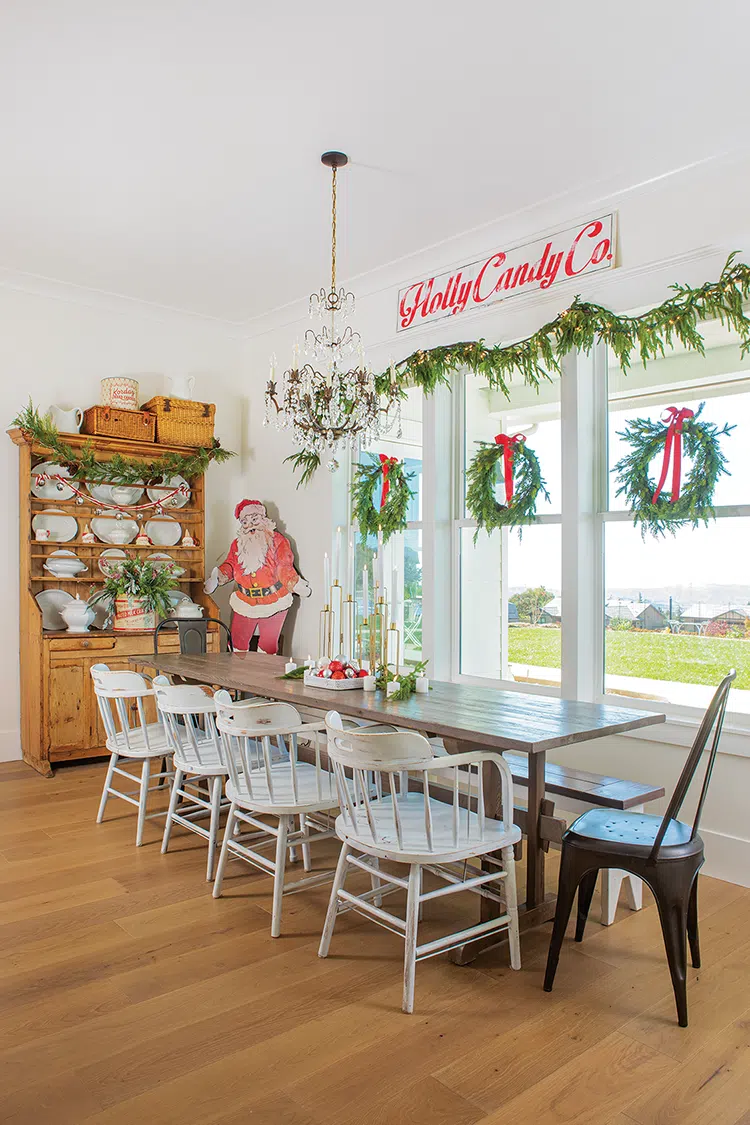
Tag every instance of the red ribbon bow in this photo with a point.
(386, 463)
(674, 417)
(509, 443)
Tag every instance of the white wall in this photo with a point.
(55, 348)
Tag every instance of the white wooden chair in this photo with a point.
(271, 781)
(121, 699)
(189, 715)
(383, 818)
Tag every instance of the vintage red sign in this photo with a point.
(580, 250)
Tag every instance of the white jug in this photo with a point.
(180, 386)
(67, 421)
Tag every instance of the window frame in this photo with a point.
(583, 518)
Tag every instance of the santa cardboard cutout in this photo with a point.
(261, 563)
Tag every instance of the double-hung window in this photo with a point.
(579, 602)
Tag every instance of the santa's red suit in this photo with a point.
(263, 595)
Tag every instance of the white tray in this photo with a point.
(333, 685)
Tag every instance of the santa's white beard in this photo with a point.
(252, 548)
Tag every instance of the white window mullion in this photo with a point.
(438, 577)
(583, 383)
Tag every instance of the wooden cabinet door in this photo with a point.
(68, 705)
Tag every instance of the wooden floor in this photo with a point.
(130, 997)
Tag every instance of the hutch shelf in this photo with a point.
(59, 715)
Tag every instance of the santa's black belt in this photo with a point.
(260, 591)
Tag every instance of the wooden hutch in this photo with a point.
(59, 714)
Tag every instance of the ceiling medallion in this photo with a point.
(332, 399)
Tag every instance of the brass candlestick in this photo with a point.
(393, 631)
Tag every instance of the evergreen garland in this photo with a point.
(481, 477)
(535, 359)
(391, 518)
(84, 466)
(695, 502)
(579, 327)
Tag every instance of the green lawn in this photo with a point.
(655, 656)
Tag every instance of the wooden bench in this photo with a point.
(581, 790)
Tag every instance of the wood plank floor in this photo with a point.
(128, 996)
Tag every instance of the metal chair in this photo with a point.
(665, 853)
(382, 817)
(270, 782)
(188, 711)
(121, 698)
(193, 633)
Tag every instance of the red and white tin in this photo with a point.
(120, 392)
(131, 617)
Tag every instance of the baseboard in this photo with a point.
(10, 746)
(727, 857)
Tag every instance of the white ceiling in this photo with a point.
(168, 150)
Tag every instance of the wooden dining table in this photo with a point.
(465, 717)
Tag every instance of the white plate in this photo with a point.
(126, 493)
(111, 554)
(107, 525)
(156, 494)
(64, 563)
(163, 531)
(103, 612)
(100, 492)
(51, 489)
(162, 558)
(50, 602)
(62, 528)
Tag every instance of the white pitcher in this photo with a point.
(68, 421)
(180, 386)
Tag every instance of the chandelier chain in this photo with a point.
(333, 229)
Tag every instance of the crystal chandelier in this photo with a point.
(331, 398)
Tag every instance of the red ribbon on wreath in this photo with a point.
(386, 464)
(509, 443)
(674, 418)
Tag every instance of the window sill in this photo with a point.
(680, 729)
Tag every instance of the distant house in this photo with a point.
(641, 615)
(552, 613)
(697, 617)
(513, 617)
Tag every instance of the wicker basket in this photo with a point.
(110, 421)
(182, 422)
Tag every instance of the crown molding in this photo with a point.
(52, 289)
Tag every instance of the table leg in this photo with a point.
(535, 854)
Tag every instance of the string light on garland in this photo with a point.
(522, 480)
(688, 502)
(385, 477)
(537, 358)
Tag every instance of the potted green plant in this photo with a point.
(138, 592)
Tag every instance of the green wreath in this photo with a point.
(656, 513)
(83, 465)
(481, 477)
(389, 475)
